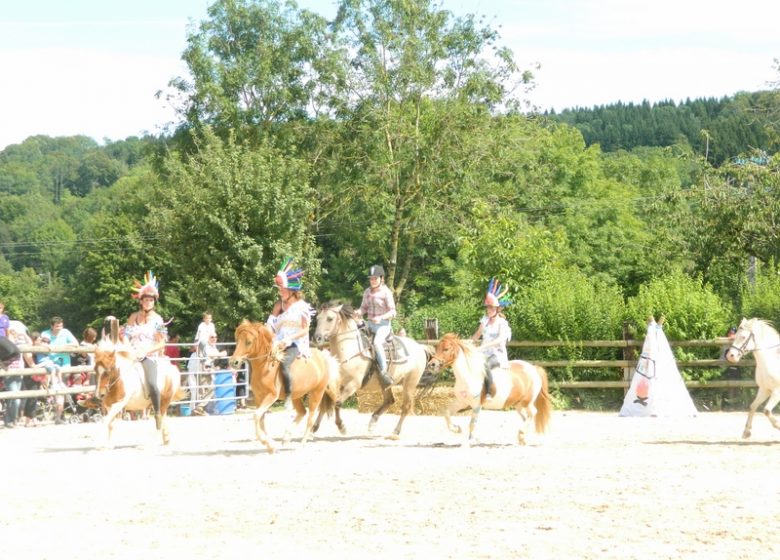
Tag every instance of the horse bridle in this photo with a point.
(741, 349)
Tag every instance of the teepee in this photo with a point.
(657, 388)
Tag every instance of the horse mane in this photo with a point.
(763, 325)
(345, 313)
(121, 348)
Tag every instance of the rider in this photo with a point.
(495, 332)
(378, 303)
(292, 324)
(146, 332)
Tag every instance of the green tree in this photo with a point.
(228, 215)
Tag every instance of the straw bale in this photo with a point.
(427, 402)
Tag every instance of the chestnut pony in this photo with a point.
(120, 381)
(522, 386)
(316, 376)
(337, 327)
(757, 336)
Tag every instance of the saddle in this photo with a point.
(395, 350)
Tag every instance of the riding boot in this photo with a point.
(384, 379)
(287, 383)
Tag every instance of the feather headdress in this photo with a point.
(289, 277)
(150, 286)
(495, 294)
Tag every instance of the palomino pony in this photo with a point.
(316, 376)
(120, 382)
(759, 337)
(336, 325)
(523, 386)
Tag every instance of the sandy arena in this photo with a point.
(596, 486)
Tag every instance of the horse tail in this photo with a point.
(428, 378)
(333, 389)
(327, 405)
(543, 403)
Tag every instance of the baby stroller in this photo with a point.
(74, 408)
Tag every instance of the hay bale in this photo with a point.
(427, 402)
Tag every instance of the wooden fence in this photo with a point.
(628, 365)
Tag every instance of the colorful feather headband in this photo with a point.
(495, 294)
(148, 288)
(289, 277)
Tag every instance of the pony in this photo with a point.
(336, 326)
(120, 382)
(759, 337)
(316, 376)
(523, 386)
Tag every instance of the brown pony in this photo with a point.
(522, 386)
(120, 382)
(316, 376)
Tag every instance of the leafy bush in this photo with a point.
(762, 299)
(692, 311)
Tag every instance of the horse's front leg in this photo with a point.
(772, 403)
(108, 422)
(259, 420)
(761, 396)
(453, 407)
(386, 403)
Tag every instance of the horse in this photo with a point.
(759, 337)
(315, 376)
(337, 327)
(523, 386)
(120, 382)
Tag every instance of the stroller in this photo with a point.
(74, 410)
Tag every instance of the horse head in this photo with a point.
(750, 336)
(445, 353)
(329, 319)
(253, 341)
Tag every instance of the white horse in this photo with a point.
(522, 386)
(759, 337)
(337, 326)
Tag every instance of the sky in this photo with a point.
(93, 67)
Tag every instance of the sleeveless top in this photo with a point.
(289, 323)
(499, 329)
(145, 335)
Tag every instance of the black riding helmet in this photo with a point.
(376, 270)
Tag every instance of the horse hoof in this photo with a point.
(394, 437)
(342, 430)
(746, 434)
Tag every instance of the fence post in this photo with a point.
(627, 355)
(432, 329)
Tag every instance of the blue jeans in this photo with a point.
(380, 331)
(13, 383)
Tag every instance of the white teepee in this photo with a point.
(657, 388)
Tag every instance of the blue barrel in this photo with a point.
(224, 393)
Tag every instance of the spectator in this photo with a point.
(55, 381)
(60, 336)
(32, 383)
(88, 338)
(3, 320)
(17, 333)
(173, 350)
(205, 329)
(208, 352)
